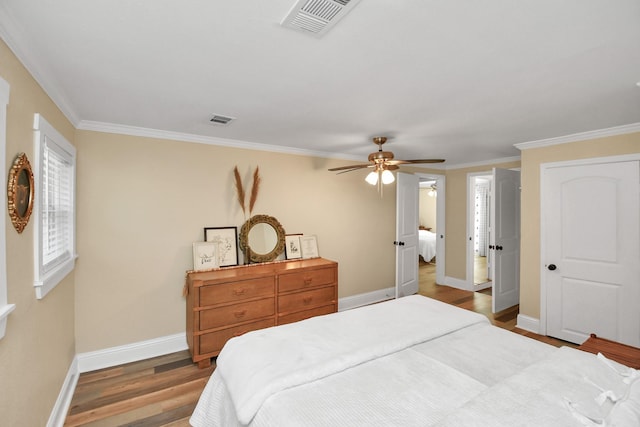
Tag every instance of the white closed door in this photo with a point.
(407, 217)
(505, 238)
(591, 251)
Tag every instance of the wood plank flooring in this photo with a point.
(163, 391)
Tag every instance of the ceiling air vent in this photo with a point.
(221, 120)
(317, 16)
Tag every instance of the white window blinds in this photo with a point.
(57, 206)
(55, 211)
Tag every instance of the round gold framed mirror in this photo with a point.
(264, 236)
(20, 192)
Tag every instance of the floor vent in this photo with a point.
(221, 120)
(316, 17)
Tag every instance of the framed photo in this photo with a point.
(309, 246)
(292, 246)
(205, 255)
(227, 240)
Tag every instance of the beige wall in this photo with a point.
(142, 202)
(39, 346)
(456, 217)
(530, 243)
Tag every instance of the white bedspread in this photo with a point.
(378, 366)
(264, 362)
(426, 244)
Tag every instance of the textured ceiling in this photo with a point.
(454, 79)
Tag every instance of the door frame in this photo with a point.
(471, 193)
(544, 168)
(440, 222)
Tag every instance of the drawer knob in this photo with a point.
(238, 292)
(307, 300)
(308, 281)
(240, 314)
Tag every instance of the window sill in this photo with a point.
(51, 279)
(4, 313)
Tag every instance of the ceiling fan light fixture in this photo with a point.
(387, 177)
(372, 177)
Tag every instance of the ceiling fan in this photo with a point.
(382, 163)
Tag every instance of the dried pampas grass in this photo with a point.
(255, 189)
(239, 189)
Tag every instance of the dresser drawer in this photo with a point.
(214, 341)
(236, 291)
(306, 300)
(306, 279)
(301, 315)
(236, 313)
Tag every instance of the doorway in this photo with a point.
(479, 257)
(431, 189)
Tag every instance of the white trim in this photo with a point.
(484, 163)
(582, 136)
(54, 277)
(210, 140)
(45, 281)
(63, 402)
(16, 39)
(128, 353)
(441, 225)
(5, 308)
(458, 283)
(347, 303)
(470, 253)
(528, 323)
(544, 167)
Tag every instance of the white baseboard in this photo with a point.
(61, 407)
(131, 352)
(527, 323)
(359, 300)
(458, 283)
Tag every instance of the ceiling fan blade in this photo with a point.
(404, 162)
(355, 169)
(351, 167)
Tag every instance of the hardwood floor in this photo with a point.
(479, 302)
(163, 391)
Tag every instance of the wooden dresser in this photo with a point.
(228, 302)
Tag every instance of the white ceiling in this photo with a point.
(454, 79)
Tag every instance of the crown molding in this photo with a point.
(582, 136)
(484, 163)
(210, 140)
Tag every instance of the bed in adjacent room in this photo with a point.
(426, 244)
(411, 362)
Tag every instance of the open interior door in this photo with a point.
(406, 234)
(505, 238)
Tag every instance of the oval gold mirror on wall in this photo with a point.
(264, 236)
(20, 192)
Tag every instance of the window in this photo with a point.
(54, 207)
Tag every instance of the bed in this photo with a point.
(412, 361)
(426, 244)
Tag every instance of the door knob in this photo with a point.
(491, 247)
(498, 248)
(552, 267)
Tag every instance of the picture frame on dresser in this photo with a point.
(292, 247)
(227, 240)
(309, 246)
(205, 256)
